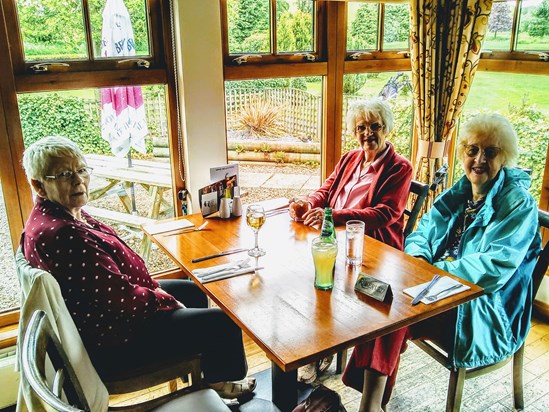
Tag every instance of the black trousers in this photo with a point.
(191, 330)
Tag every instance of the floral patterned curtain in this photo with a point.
(446, 37)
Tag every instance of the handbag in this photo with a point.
(321, 399)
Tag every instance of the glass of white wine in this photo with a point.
(255, 217)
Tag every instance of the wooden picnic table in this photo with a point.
(155, 177)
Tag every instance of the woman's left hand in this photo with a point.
(313, 217)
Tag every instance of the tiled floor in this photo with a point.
(422, 383)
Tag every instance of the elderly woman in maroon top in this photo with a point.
(123, 315)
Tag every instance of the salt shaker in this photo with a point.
(237, 203)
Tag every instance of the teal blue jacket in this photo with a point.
(498, 252)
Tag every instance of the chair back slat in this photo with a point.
(543, 258)
(420, 190)
(40, 343)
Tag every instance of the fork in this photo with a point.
(226, 268)
(198, 229)
(434, 297)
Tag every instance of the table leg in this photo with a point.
(284, 388)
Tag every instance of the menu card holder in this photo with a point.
(374, 288)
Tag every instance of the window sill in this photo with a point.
(8, 336)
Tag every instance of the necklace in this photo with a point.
(82, 219)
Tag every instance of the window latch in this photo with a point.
(359, 55)
(306, 56)
(45, 67)
(140, 63)
(541, 55)
(244, 59)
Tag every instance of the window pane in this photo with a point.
(102, 19)
(524, 100)
(123, 188)
(500, 24)
(52, 30)
(273, 133)
(248, 22)
(362, 26)
(294, 25)
(533, 32)
(9, 285)
(396, 27)
(396, 90)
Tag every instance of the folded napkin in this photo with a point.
(439, 289)
(220, 268)
(229, 273)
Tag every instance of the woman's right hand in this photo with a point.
(313, 217)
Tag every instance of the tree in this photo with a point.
(539, 25)
(284, 36)
(302, 28)
(305, 6)
(501, 18)
(364, 28)
(397, 23)
(252, 18)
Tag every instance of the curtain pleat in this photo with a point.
(445, 45)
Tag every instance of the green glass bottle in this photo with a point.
(328, 227)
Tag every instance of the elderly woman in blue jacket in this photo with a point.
(485, 230)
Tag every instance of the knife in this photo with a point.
(424, 292)
(224, 253)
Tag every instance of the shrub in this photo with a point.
(260, 118)
(52, 114)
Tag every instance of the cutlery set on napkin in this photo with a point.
(227, 270)
(438, 288)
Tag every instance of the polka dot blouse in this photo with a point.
(105, 284)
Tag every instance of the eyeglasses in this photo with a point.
(68, 175)
(374, 127)
(489, 152)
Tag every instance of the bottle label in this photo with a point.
(327, 229)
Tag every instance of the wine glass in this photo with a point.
(255, 217)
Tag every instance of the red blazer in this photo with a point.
(382, 209)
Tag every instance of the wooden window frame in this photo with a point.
(15, 78)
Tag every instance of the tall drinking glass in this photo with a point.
(354, 242)
(255, 218)
(324, 257)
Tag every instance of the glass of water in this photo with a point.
(354, 242)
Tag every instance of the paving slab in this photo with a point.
(284, 181)
(253, 179)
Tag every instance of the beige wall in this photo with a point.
(202, 99)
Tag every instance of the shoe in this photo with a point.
(325, 364)
(307, 374)
(236, 389)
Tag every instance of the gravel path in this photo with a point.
(9, 285)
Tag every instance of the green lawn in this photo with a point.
(493, 91)
(496, 91)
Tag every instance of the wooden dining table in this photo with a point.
(279, 308)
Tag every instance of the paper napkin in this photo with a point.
(444, 283)
(229, 273)
(220, 268)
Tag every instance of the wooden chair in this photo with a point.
(459, 375)
(64, 393)
(418, 194)
(40, 290)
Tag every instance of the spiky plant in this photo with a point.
(260, 118)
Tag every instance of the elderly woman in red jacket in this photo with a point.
(369, 184)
